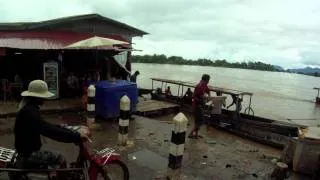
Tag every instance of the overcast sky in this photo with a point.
(280, 32)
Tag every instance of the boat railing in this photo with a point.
(237, 95)
(249, 109)
(318, 89)
(317, 97)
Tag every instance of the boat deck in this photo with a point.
(153, 107)
(232, 92)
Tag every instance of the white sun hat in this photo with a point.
(37, 88)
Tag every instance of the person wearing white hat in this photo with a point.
(29, 126)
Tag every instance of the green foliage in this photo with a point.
(163, 59)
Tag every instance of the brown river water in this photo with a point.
(277, 95)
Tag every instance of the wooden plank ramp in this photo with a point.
(151, 107)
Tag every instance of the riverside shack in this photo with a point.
(35, 50)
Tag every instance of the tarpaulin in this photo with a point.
(121, 59)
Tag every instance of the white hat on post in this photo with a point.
(39, 89)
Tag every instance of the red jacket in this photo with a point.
(198, 95)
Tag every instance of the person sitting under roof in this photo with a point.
(187, 98)
(73, 85)
(168, 92)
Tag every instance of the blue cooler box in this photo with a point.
(108, 95)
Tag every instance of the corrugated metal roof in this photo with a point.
(70, 19)
(45, 40)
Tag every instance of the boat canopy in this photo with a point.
(212, 88)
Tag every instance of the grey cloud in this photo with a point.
(311, 58)
(281, 32)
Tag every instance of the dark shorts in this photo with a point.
(198, 116)
(42, 159)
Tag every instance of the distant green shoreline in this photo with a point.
(201, 65)
(162, 59)
(177, 60)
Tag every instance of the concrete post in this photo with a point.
(178, 138)
(124, 120)
(91, 105)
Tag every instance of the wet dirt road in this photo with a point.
(219, 155)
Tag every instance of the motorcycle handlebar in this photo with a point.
(90, 140)
(77, 129)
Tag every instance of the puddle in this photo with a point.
(148, 159)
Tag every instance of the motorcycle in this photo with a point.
(88, 166)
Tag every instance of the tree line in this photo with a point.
(316, 74)
(163, 59)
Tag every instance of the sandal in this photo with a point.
(192, 137)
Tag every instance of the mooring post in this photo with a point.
(124, 120)
(280, 171)
(178, 138)
(91, 105)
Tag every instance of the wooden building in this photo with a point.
(26, 46)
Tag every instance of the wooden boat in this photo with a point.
(267, 131)
(144, 91)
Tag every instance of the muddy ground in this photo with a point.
(219, 155)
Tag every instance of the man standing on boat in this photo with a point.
(198, 103)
